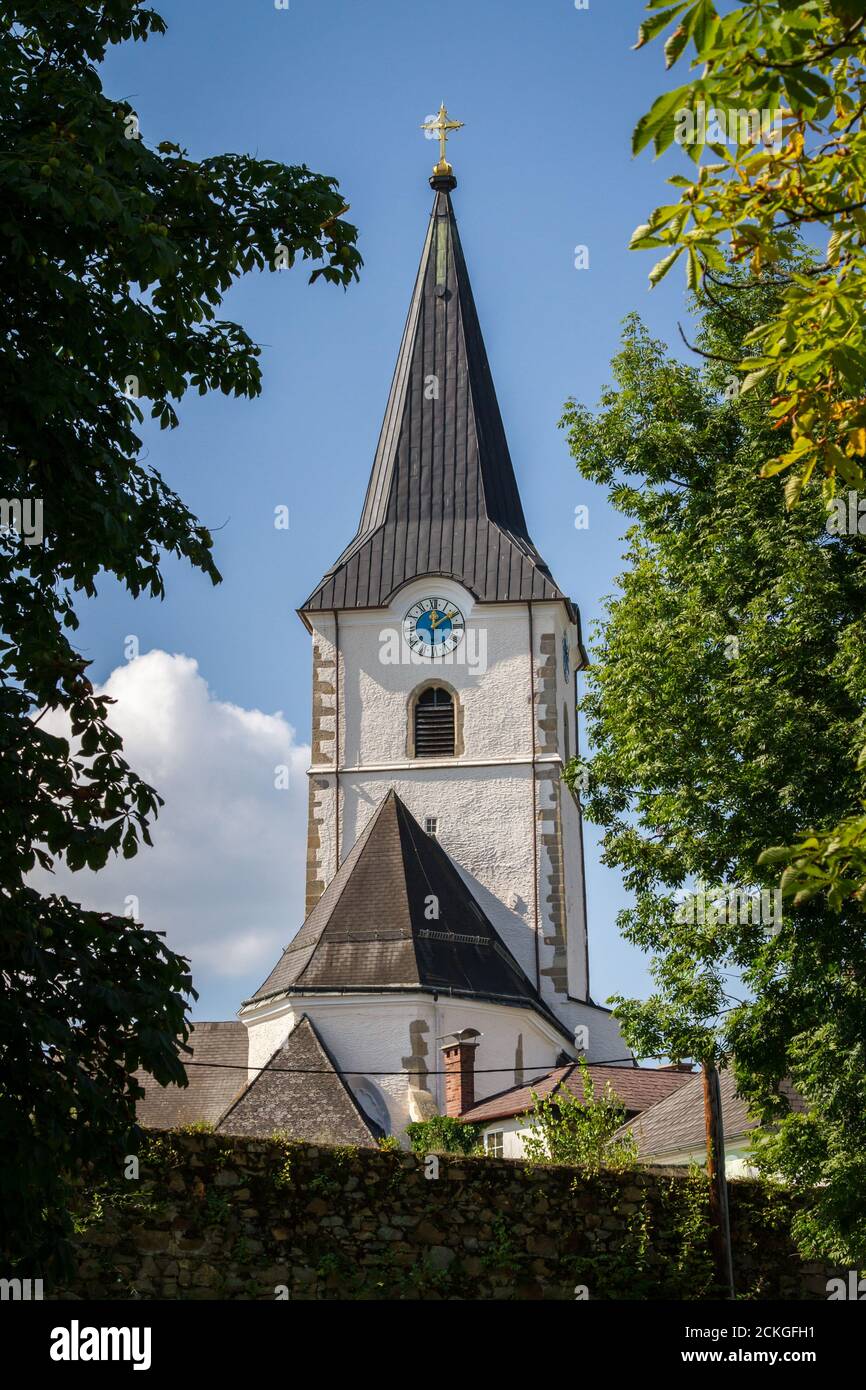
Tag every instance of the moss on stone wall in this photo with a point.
(212, 1216)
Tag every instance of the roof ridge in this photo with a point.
(323, 1046)
(361, 845)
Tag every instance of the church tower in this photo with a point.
(445, 852)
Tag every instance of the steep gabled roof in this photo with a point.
(636, 1087)
(218, 1072)
(300, 1093)
(442, 497)
(397, 914)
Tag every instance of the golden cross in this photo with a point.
(441, 125)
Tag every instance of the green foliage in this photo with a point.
(725, 708)
(666, 1251)
(830, 862)
(286, 1146)
(790, 83)
(443, 1134)
(501, 1252)
(566, 1129)
(389, 1143)
(115, 260)
(218, 1207)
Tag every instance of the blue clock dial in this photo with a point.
(433, 627)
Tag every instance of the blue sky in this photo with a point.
(549, 95)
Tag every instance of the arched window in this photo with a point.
(434, 724)
(372, 1102)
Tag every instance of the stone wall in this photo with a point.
(221, 1217)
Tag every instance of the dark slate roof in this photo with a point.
(368, 931)
(636, 1087)
(300, 1093)
(442, 497)
(211, 1088)
(678, 1122)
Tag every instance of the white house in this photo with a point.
(506, 1117)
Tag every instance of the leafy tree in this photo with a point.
(778, 99)
(725, 706)
(115, 258)
(580, 1132)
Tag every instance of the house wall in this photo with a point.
(513, 1130)
(737, 1160)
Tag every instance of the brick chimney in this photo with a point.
(458, 1055)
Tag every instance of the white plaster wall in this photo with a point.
(371, 1034)
(485, 813)
(363, 1033)
(494, 694)
(737, 1160)
(485, 825)
(604, 1042)
(503, 1030)
(572, 836)
(266, 1031)
(513, 1131)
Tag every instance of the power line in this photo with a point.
(479, 1071)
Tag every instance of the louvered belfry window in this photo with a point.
(434, 724)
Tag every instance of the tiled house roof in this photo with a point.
(636, 1087)
(211, 1088)
(677, 1124)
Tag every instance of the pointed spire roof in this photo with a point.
(373, 928)
(442, 497)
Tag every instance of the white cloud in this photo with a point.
(225, 877)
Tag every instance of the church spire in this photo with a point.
(442, 497)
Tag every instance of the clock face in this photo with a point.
(566, 659)
(433, 627)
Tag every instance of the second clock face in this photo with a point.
(433, 627)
